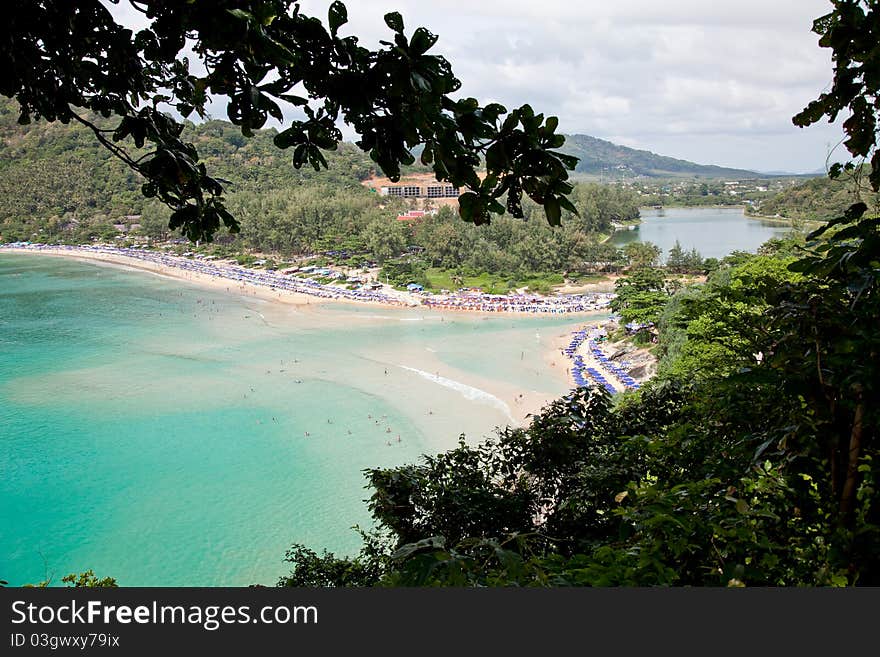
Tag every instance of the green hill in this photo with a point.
(603, 158)
(819, 199)
(58, 183)
(55, 176)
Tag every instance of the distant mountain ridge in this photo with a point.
(599, 157)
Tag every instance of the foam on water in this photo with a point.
(468, 392)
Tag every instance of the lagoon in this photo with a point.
(713, 232)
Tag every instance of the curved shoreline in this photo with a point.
(786, 221)
(297, 291)
(98, 385)
(519, 406)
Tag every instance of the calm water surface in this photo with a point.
(714, 232)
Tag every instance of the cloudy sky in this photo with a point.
(714, 82)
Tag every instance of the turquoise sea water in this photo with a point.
(156, 431)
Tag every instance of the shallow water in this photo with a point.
(164, 434)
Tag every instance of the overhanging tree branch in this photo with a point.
(396, 98)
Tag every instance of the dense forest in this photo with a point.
(59, 184)
(60, 179)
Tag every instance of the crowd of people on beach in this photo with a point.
(609, 368)
(521, 303)
(273, 280)
(263, 278)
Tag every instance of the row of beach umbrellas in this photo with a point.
(271, 279)
(579, 366)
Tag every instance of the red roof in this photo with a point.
(412, 214)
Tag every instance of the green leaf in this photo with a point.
(470, 207)
(241, 14)
(839, 580)
(495, 207)
(419, 82)
(293, 100)
(272, 108)
(316, 158)
(553, 210)
(299, 155)
(290, 137)
(395, 21)
(492, 111)
(422, 41)
(496, 157)
(430, 543)
(569, 161)
(427, 154)
(337, 16)
(568, 205)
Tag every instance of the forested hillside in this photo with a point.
(598, 156)
(59, 184)
(818, 199)
(58, 175)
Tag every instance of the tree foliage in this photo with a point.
(851, 30)
(681, 261)
(86, 579)
(63, 58)
(59, 184)
(642, 254)
(641, 296)
(713, 329)
(819, 199)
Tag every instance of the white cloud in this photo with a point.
(715, 82)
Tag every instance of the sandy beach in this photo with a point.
(232, 287)
(559, 362)
(225, 277)
(521, 402)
